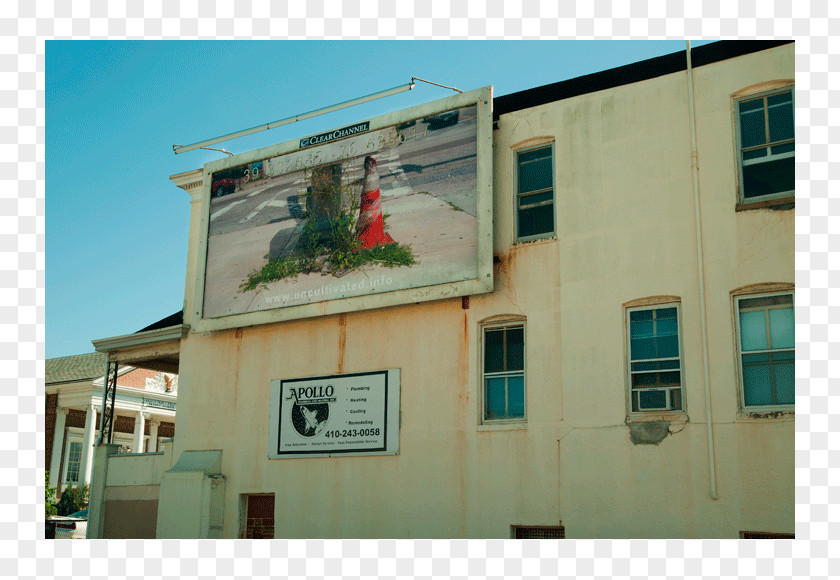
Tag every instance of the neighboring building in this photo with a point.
(623, 379)
(145, 414)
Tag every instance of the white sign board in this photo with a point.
(349, 414)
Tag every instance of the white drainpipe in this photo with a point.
(695, 170)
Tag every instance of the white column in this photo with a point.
(58, 445)
(139, 428)
(153, 434)
(87, 446)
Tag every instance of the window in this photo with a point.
(766, 349)
(73, 462)
(655, 364)
(504, 372)
(766, 146)
(535, 192)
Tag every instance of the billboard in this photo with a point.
(390, 210)
(336, 415)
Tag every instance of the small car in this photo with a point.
(72, 527)
(442, 120)
(223, 186)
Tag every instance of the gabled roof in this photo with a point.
(68, 369)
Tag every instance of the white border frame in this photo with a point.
(629, 380)
(742, 405)
(483, 99)
(483, 420)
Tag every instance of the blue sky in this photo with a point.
(116, 226)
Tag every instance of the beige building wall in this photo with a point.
(625, 223)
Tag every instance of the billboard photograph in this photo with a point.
(355, 211)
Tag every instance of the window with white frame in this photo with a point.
(766, 349)
(535, 192)
(766, 146)
(504, 372)
(72, 461)
(655, 363)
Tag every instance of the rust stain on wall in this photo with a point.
(342, 340)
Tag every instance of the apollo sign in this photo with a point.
(337, 415)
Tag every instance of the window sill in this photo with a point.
(535, 240)
(502, 426)
(777, 414)
(671, 416)
(781, 203)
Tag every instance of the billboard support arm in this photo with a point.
(372, 97)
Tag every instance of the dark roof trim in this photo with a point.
(171, 320)
(630, 73)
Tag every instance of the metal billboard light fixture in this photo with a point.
(372, 97)
(301, 117)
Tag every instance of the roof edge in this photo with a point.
(629, 73)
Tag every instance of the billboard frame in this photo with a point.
(483, 100)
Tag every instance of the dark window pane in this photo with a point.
(763, 301)
(644, 380)
(663, 313)
(527, 200)
(495, 399)
(780, 115)
(515, 349)
(652, 400)
(516, 396)
(493, 351)
(535, 155)
(669, 379)
(536, 220)
(756, 358)
(779, 149)
(641, 315)
(755, 153)
(676, 400)
(775, 176)
(752, 128)
(535, 175)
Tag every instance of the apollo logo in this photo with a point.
(311, 408)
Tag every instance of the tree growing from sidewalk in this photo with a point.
(328, 241)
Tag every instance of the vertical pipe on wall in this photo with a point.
(695, 169)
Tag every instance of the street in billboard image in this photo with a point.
(353, 212)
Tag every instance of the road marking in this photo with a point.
(225, 209)
(273, 202)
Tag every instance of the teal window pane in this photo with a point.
(758, 387)
(667, 346)
(753, 331)
(641, 329)
(781, 328)
(516, 397)
(642, 348)
(641, 315)
(495, 398)
(755, 153)
(666, 326)
(783, 376)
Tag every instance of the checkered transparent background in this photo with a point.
(24, 27)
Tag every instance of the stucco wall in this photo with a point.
(625, 231)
